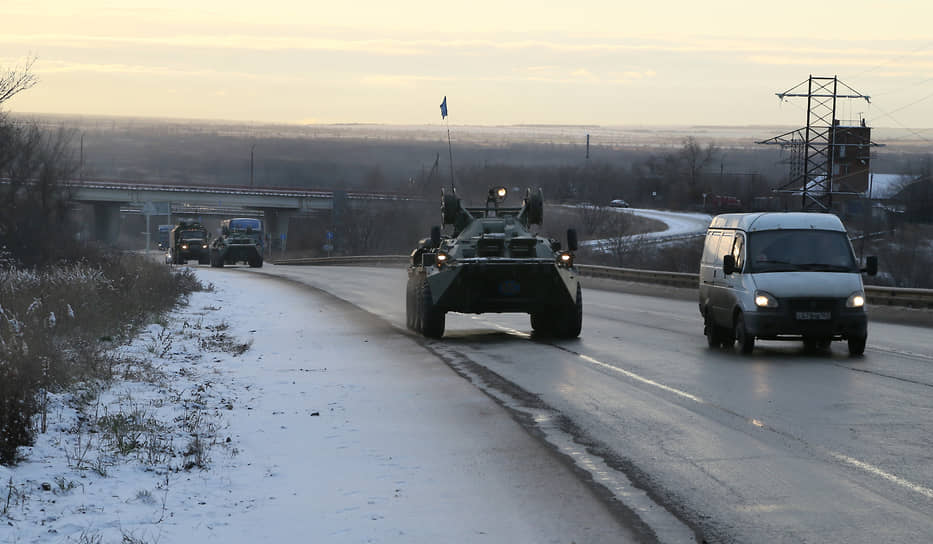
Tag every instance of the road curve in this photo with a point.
(780, 445)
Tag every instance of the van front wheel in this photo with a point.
(857, 345)
(745, 340)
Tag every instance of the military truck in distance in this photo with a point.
(240, 241)
(492, 262)
(186, 241)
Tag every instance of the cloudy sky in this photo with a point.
(499, 62)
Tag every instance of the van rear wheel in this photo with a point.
(717, 336)
(745, 340)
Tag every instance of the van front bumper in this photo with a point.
(781, 324)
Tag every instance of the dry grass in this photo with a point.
(55, 323)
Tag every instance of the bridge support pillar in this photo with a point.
(276, 225)
(106, 223)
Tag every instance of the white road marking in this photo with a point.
(642, 379)
(861, 465)
(925, 491)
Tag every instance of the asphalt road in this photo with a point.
(781, 445)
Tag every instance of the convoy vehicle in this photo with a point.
(618, 203)
(782, 276)
(164, 230)
(240, 241)
(491, 261)
(186, 241)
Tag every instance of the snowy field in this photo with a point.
(263, 411)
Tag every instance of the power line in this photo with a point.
(894, 59)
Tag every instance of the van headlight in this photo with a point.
(856, 300)
(763, 299)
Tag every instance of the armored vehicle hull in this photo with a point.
(239, 242)
(492, 263)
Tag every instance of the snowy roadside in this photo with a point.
(263, 411)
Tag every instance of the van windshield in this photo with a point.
(800, 250)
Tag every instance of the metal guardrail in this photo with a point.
(899, 296)
(361, 260)
(675, 279)
(877, 295)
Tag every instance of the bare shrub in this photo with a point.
(54, 323)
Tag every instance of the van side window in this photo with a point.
(711, 248)
(725, 247)
(738, 250)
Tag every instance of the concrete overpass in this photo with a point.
(276, 205)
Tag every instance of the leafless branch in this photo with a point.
(17, 79)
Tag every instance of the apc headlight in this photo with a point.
(856, 300)
(184, 246)
(763, 299)
(204, 246)
(565, 259)
(441, 259)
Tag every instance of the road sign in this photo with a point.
(330, 235)
(149, 209)
(328, 248)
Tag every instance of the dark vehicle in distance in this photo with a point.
(188, 240)
(164, 231)
(240, 241)
(493, 262)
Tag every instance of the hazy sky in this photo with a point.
(498, 62)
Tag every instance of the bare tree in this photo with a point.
(17, 79)
(34, 202)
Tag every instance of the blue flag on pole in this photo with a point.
(444, 108)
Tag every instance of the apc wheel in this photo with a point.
(745, 340)
(216, 260)
(204, 260)
(571, 323)
(410, 305)
(432, 319)
(542, 323)
(255, 263)
(857, 345)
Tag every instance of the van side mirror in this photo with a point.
(871, 265)
(728, 264)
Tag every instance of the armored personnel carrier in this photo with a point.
(240, 241)
(186, 241)
(492, 262)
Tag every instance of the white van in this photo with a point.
(782, 276)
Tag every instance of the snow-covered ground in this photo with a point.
(680, 226)
(264, 411)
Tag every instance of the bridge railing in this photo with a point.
(877, 295)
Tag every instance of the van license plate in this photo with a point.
(814, 316)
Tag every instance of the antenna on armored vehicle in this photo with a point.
(449, 148)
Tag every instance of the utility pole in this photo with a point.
(251, 149)
(81, 166)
